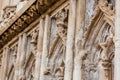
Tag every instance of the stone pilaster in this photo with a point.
(39, 50)
(80, 21)
(2, 65)
(22, 56)
(45, 46)
(117, 42)
(16, 76)
(6, 56)
(70, 42)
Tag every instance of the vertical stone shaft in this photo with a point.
(4, 77)
(70, 42)
(45, 46)
(22, 55)
(117, 42)
(2, 65)
(39, 50)
(18, 58)
(80, 21)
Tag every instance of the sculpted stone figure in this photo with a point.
(56, 56)
(34, 42)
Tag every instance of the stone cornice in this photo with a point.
(23, 19)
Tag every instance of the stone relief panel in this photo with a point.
(97, 46)
(31, 54)
(57, 49)
(96, 53)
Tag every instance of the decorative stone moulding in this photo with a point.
(23, 18)
(8, 13)
(95, 38)
(105, 9)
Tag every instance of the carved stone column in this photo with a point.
(16, 77)
(78, 74)
(1, 56)
(45, 47)
(22, 57)
(70, 42)
(39, 50)
(6, 55)
(2, 64)
(80, 21)
(117, 42)
(1, 4)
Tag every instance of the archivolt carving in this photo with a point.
(30, 59)
(98, 41)
(56, 56)
(61, 21)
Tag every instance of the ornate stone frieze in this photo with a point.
(30, 15)
(8, 13)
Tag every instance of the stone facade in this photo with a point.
(59, 39)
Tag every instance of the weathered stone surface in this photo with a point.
(59, 40)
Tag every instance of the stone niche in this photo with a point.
(97, 62)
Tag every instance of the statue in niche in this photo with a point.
(34, 42)
(56, 56)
